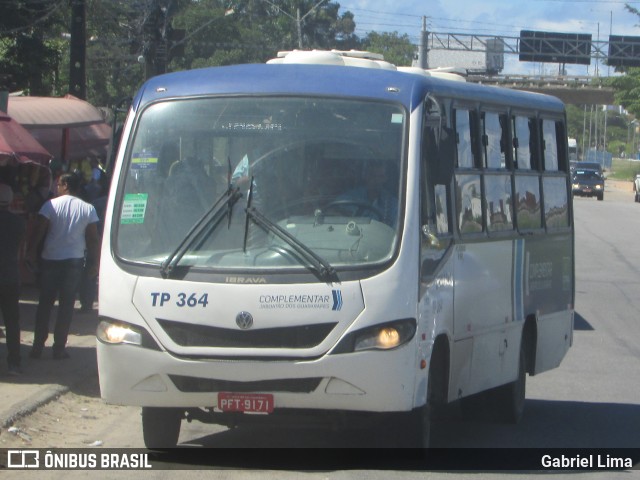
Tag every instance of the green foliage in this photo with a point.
(256, 30)
(587, 125)
(627, 90)
(623, 169)
(130, 40)
(29, 44)
(396, 48)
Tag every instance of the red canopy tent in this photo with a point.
(18, 145)
(70, 128)
(24, 167)
(23, 162)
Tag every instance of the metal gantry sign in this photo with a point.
(549, 47)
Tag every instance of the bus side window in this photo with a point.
(550, 145)
(563, 147)
(536, 143)
(465, 137)
(438, 153)
(438, 171)
(469, 203)
(443, 226)
(556, 202)
(498, 202)
(528, 212)
(522, 138)
(493, 140)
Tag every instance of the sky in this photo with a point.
(503, 18)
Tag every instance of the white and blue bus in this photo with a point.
(324, 239)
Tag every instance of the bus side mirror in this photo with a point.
(432, 240)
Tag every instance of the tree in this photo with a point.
(627, 86)
(30, 44)
(115, 41)
(128, 40)
(627, 90)
(396, 48)
(258, 29)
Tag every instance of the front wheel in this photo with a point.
(161, 427)
(421, 418)
(422, 427)
(508, 400)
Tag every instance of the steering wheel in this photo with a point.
(361, 207)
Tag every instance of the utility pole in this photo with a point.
(154, 48)
(4, 92)
(299, 27)
(78, 50)
(422, 48)
(298, 18)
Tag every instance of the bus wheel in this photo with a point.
(420, 419)
(423, 426)
(509, 399)
(161, 427)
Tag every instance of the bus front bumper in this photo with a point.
(369, 381)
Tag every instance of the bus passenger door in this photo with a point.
(435, 309)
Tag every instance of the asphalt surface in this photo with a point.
(45, 379)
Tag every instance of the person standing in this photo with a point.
(12, 229)
(68, 226)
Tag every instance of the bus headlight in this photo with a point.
(385, 336)
(115, 333)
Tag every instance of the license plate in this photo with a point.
(245, 402)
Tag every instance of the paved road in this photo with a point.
(592, 400)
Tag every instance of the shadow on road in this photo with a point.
(546, 424)
(581, 323)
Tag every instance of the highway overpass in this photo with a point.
(571, 90)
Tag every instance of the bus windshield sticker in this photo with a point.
(397, 118)
(133, 208)
(144, 161)
(260, 127)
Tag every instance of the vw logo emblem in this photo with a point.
(244, 320)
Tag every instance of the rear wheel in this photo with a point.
(161, 427)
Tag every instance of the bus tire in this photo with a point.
(421, 418)
(420, 427)
(161, 427)
(509, 399)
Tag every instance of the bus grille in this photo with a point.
(189, 335)
(294, 385)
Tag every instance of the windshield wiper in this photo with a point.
(202, 228)
(324, 268)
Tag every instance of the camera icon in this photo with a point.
(23, 459)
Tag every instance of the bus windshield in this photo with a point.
(311, 181)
